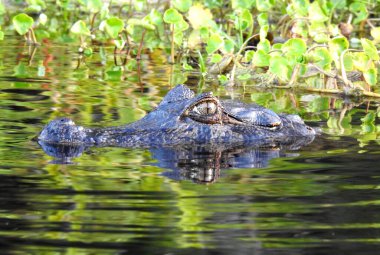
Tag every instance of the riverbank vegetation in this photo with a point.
(327, 46)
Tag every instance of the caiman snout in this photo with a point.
(62, 130)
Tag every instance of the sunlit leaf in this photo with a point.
(42, 18)
(214, 43)
(155, 17)
(369, 118)
(244, 20)
(262, 18)
(216, 58)
(295, 46)
(248, 55)
(199, 16)
(264, 5)
(301, 7)
(172, 16)
(360, 11)
(348, 62)
(336, 46)
(87, 52)
(261, 58)
(80, 28)
(361, 61)
(142, 23)
(178, 37)
(264, 32)
(370, 76)
(228, 46)
(182, 5)
(316, 13)
(1, 35)
(369, 48)
(222, 78)
(244, 77)
(321, 57)
(182, 25)
(375, 32)
(264, 45)
(113, 26)
(22, 23)
(279, 66)
(240, 4)
(94, 5)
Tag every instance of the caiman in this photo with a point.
(183, 118)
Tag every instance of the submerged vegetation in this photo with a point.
(277, 43)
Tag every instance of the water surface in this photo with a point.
(318, 199)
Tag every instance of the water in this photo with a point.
(318, 199)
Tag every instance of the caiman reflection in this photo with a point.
(201, 163)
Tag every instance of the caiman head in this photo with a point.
(184, 118)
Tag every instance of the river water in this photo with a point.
(321, 198)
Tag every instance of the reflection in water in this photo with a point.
(199, 163)
(120, 201)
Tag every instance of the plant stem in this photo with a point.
(172, 45)
(138, 57)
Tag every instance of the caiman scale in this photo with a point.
(184, 118)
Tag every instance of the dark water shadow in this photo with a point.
(199, 163)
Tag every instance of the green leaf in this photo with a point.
(261, 58)
(248, 55)
(155, 17)
(262, 18)
(370, 49)
(178, 37)
(336, 46)
(119, 43)
(263, 32)
(229, 46)
(141, 22)
(216, 58)
(264, 45)
(360, 11)
(348, 62)
(186, 66)
(80, 28)
(375, 32)
(279, 66)
(2, 8)
(113, 26)
(369, 118)
(277, 46)
(22, 23)
(316, 13)
(300, 7)
(222, 78)
(362, 61)
(87, 52)
(214, 43)
(182, 5)
(94, 5)
(294, 46)
(1, 35)
(263, 5)
(245, 20)
(172, 16)
(244, 77)
(370, 76)
(181, 26)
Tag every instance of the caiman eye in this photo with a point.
(205, 108)
(206, 111)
